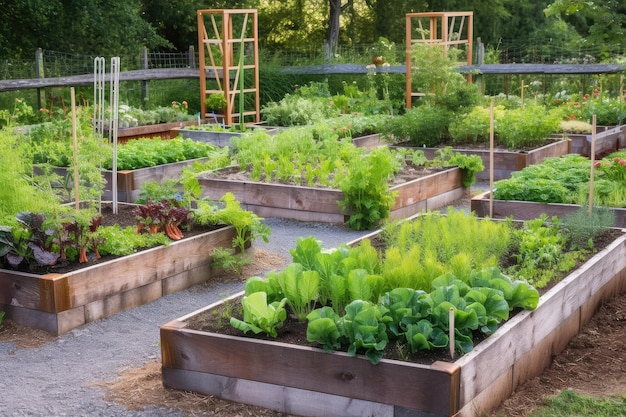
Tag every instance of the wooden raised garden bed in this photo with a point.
(59, 303)
(158, 130)
(430, 192)
(368, 141)
(129, 181)
(217, 138)
(507, 162)
(527, 210)
(608, 139)
(307, 381)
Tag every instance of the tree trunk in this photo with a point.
(333, 25)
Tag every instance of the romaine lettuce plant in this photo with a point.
(260, 316)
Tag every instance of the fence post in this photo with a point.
(192, 57)
(41, 93)
(144, 83)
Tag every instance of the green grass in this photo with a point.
(571, 404)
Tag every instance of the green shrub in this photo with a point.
(422, 126)
(526, 127)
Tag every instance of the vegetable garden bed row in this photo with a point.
(308, 381)
(58, 303)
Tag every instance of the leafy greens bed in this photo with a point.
(362, 299)
(566, 180)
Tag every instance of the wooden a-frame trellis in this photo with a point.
(229, 55)
(450, 29)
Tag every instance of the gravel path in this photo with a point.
(60, 378)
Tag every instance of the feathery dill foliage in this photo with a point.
(18, 192)
(431, 245)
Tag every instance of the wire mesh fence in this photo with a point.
(61, 64)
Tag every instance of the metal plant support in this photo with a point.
(114, 99)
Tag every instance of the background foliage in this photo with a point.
(115, 27)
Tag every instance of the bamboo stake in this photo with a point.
(593, 162)
(451, 332)
(491, 145)
(522, 94)
(75, 145)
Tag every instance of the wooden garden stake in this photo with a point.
(491, 140)
(522, 93)
(451, 332)
(75, 144)
(593, 161)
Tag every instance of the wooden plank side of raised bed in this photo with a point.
(612, 289)
(302, 215)
(423, 188)
(275, 195)
(159, 130)
(159, 173)
(558, 148)
(19, 288)
(92, 284)
(121, 301)
(275, 397)
(55, 323)
(427, 388)
(187, 279)
(369, 141)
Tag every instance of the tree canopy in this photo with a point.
(115, 27)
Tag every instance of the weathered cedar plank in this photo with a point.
(489, 399)
(55, 323)
(368, 141)
(121, 301)
(610, 290)
(275, 397)
(438, 201)
(422, 189)
(186, 279)
(560, 148)
(132, 271)
(275, 195)
(70, 319)
(159, 129)
(418, 386)
(271, 200)
(302, 215)
(54, 293)
(22, 289)
(407, 211)
(535, 361)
